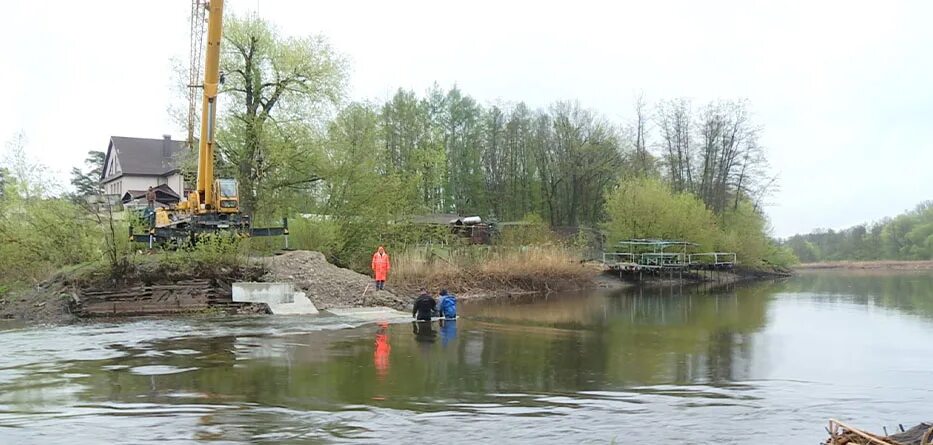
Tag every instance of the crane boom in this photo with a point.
(214, 205)
(205, 186)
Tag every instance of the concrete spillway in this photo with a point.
(282, 298)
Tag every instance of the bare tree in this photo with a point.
(674, 121)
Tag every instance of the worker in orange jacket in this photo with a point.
(381, 267)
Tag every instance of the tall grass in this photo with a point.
(476, 268)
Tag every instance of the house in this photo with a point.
(132, 165)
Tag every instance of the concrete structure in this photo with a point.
(135, 164)
(282, 298)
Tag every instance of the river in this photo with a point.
(759, 363)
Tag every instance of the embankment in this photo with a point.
(154, 285)
(867, 265)
(493, 273)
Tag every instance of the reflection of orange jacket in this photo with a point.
(381, 265)
(381, 354)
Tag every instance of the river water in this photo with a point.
(761, 363)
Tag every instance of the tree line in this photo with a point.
(502, 160)
(908, 236)
(356, 169)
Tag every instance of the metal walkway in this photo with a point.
(664, 256)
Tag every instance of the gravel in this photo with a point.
(327, 285)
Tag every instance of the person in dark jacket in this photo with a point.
(424, 306)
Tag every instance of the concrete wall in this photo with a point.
(264, 292)
(281, 298)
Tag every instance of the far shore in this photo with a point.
(868, 265)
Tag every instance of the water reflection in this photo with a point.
(907, 291)
(448, 330)
(381, 352)
(682, 356)
(424, 333)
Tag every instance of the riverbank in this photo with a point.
(174, 284)
(165, 285)
(867, 265)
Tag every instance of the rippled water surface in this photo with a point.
(762, 363)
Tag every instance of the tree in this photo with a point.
(411, 147)
(647, 208)
(357, 196)
(642, 163)
(4, 174)
(908, 236)
(278, 89)
(674, 120)
(579, 158)
(87, 183)
(38, 231)
(523, 183)
(462, 132)
(729, 153)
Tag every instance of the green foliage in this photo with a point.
(908, 236)
(310, 234)
(39, 233)
(529, 231)
(278, 92)
(502, 161)
(87, 183)
(352, 176)
(211, 251)
(648, 208)
(359, 204)
(743, 231)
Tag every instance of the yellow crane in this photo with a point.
(214, 205)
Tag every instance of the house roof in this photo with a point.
(143, 156)
(164, 194)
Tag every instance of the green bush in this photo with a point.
(531, 230)
(647, 208)
(209, 252)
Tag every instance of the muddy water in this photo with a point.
(766, 363)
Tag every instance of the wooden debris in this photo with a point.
(842, 434)
(155, 299)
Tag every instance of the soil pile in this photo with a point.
(327, 285)
(49, 302)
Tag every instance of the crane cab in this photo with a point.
(227, 196)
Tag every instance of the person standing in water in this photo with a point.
(448, 305)
(424, 306)
(381, 267)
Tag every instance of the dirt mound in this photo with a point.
(327, 285)
(49, 303)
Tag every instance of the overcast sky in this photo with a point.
(843, 90)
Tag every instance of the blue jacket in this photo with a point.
(448, 306)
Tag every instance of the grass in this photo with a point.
(479, 268)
